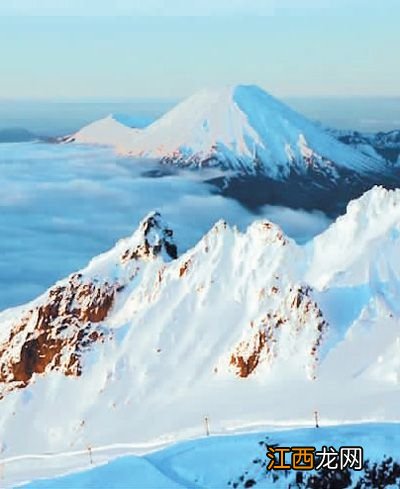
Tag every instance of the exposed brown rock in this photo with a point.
(160, 274)
(52, 335)
(184, 268)
(261, 345)
(246, 364)
(142, 251)
(277, 235)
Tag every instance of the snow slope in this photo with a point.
(241, 128)
(369, 233)
(221, 461)
(143, 343)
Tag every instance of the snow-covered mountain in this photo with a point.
(143, 343)
(239, 128)
(108, 131)
(245, 129)
(16, 135)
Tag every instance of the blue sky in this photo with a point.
(157, 48)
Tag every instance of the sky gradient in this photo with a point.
(171, 49)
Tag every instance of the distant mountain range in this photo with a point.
(16, 135)
(381, 144)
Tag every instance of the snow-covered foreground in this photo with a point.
(144, 342)
(212, 462)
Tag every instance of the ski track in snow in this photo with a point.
(186, 464)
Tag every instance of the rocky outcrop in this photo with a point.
(157, 238)
(297, 311)
(53, 334)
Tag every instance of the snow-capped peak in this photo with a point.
(152, 238)
(108, 131)
(245, 129)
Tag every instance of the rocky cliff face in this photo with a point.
(54, 334)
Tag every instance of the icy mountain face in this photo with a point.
(135, 122)
(242, 128)
(270, 340)
(53, 334)
(145, 334)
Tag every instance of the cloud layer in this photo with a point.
(60, 205)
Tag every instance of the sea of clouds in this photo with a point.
(60, 205)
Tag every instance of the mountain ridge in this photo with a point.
(248, 315)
